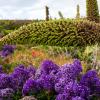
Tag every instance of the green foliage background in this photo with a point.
(7, 26)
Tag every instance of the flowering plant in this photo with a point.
(7, 50)
(50, 82)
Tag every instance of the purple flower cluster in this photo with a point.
(91, 80)
(31, 71)
(48, 66)
(51, 78)
(68, 86)
(44, 78)
(62, 80)
(77, 98)
(70, 71)
(20, 75)
(5, 86)
(7, 50)
(7, 92)
(5, 81)
(66, 74)
(30, 87)
(14, 82)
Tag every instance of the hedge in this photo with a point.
(66, 32)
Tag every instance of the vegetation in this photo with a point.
(49, 81)
(7, 26)
(89, 56)
(92, 10)
(56, 33)
(78, 12)
(61, 15)
(51, 59)
(47, 13)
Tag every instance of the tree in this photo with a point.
(61, 15)
(92, 10)
(47, 13)
(78, 12)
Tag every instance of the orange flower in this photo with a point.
(37, 53)
(34, 54)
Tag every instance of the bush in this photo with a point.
(92, 10)
(56, 33)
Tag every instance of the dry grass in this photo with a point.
(35, 56)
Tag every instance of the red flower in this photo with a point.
(33, 53)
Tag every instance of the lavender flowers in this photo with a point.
(51, 82)
(7, 50)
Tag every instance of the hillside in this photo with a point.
(7, 26)
(67, 32)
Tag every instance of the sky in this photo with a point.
(35, 9)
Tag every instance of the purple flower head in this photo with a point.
(83, 91)
(63, 96)
(20, 66)
(70, 71)
(19, 77)
(47, 66)
(77, 98)
(65, 71)
(7, 92)
(5, 53)
(47, 82)
(96, 86)
(7, 50)
(54, 76)
(71, 88)
(1, 70)
(77, 66)
(59, 86)
(31, 71)
(90, 79)
(30, 87)
(5, 81)
(74, 89)
(38, 73)
(66, 74)
(91, 73)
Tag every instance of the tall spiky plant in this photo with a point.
(60, 15)
(78, 12)
(92, 10)
(47, 13)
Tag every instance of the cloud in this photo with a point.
(17, 3)
(33, 9)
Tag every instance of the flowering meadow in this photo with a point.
(51, 58)
(49, 81)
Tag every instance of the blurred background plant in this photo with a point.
(27, 55)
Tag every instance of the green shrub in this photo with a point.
(5, 32)
(92, 10)
(56, 33)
